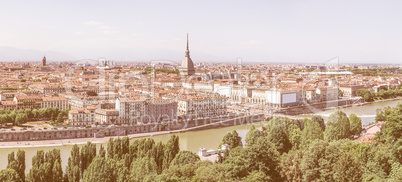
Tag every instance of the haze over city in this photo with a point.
(257, 31)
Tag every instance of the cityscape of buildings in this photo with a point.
(111, 93)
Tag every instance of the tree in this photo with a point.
(362, 92)
(368, 97)
(279, 137)
(295, 138)
(21, 118)
(171, 149)
(232, 139)
(312, 131)
(396, 172)
(347, 169)
(99, 170)
(102, 152)
(110, 148)
(73, 165)
(340, 93)
(60, 118)
(318, 119)
(185, 157)
(142, 167)
(252, 135)
(318, 160)
(355, 124)
(210, 172)
(88, 153)
(43, 165)
(262, 156)
(57, 171)
(290, 166)
(392, 129)
(158, 154)
(397, 150)
(21, 164)
(338, 126)
(9, 175)
(257, 176)
(17, 164)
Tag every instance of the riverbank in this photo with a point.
(350, 106)
(67, 142)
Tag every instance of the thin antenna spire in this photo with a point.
(187, 50)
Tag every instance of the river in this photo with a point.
(366, 113)
(194, 140)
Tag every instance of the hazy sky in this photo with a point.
(258, 31)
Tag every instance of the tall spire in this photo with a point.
(187, 50)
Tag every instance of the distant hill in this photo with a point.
(11, 54)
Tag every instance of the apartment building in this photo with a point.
(28, 102)
(60, 102)
(107, 116)
(82, 116)
(160, 110)
(131, 109)
(197, 105)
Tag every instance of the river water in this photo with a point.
(194, 140)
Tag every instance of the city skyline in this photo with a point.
(279, 32)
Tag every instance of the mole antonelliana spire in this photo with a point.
(187, 66)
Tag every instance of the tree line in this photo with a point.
(282, 150)
(21, 116)
(369, 96)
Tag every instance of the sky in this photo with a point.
(299, 31)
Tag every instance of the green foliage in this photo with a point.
(310, 159)
(392, 129)
(46, 166)
(21, 119)
(397, 150)
(318, 161)
(17, 164)
(9, 175)
(338, 126)
(312, 131)
(185, 157)
(366, 94)
(88, 153)
(347, 169)
(396, 172)
(340, 93)
(256, 176)
(13, 88)
(171, 149)
(158, 154)
(142, 167)
(290, 166)
(210, 172)
(279, 137)
(355, 124)
(73, 167)
(319, 120)
(232, 139)
(252, 135)
(99, 170)
(22, 116)
(295, 138)
(376, 72)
